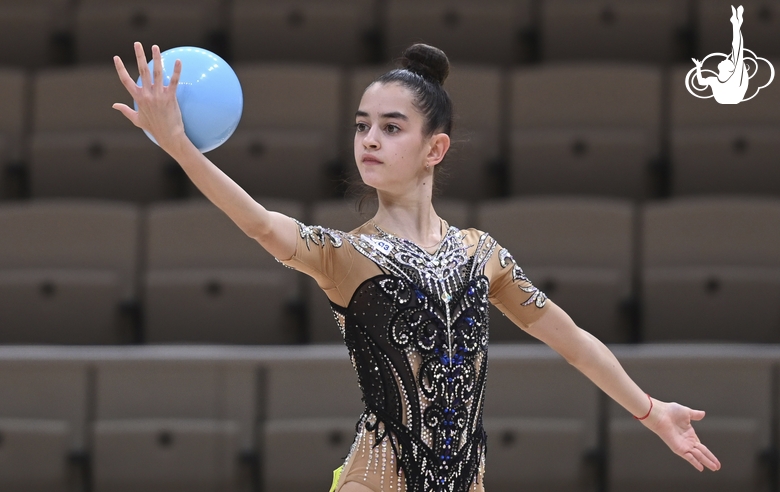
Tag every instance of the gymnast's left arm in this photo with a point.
(670, 421)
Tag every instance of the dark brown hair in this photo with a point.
(423, 71)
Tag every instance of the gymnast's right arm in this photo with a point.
(159, 114)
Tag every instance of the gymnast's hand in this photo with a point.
(672, 422)
(158, 110)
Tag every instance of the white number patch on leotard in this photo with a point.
(383, 246)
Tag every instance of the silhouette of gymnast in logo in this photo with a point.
(731, 83)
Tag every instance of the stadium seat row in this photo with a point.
(95, 272)
(231, 419)
(599, 128)
(356, 31)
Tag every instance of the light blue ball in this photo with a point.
(209, 95)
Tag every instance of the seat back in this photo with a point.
(72, 235)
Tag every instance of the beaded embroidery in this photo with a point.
(537, 296)
(318, 234)
(417, 335)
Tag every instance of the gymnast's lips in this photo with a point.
(370, 159)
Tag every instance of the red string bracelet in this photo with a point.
(648, 412)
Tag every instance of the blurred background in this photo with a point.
(147, 344)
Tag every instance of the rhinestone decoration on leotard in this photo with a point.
(417, 335)
(537, 296)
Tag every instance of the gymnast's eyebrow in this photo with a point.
(394, 114)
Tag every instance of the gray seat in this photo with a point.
(714, 31)
(629, 30)
(577, 250)
(571, 132)
(43, 416)
(541, 418)
(724, 148)
(14, 91)
(30, 26)
(66, 267)
(477, 95)
(104, 28)
(208, 282)
(711, 269)
(14, 87)
(173, 425)
(735, 392)
(279, 149)
(333, 31)
(467, 30)
(313, 424)
(81, 147)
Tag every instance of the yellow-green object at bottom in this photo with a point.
(336, 475)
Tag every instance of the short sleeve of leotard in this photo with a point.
(323, 254)
(511, 291)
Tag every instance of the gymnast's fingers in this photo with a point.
(143, 68)
(174, 83)
(129, 113)
(158, 84)
(705, 456)
(124, 77)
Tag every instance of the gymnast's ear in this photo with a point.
(439, 145)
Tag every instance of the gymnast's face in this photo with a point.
(391, 150)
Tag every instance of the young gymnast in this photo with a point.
(410, 293)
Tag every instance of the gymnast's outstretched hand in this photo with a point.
(158, 109)
(672, 422)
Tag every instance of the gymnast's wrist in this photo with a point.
(644, 416)
(652, 415)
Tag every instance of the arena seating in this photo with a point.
(44, 408)
(147, 343)
(467, 30)
(208, 282)
(67, 271)
(32, 28)
(13, 90)
(82, 147)
(584, 129)
(637, 30)
(104, 28)
(711, 270)
(165, 425)
(542, 420)
(331, 31)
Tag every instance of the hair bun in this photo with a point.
(429, 62)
